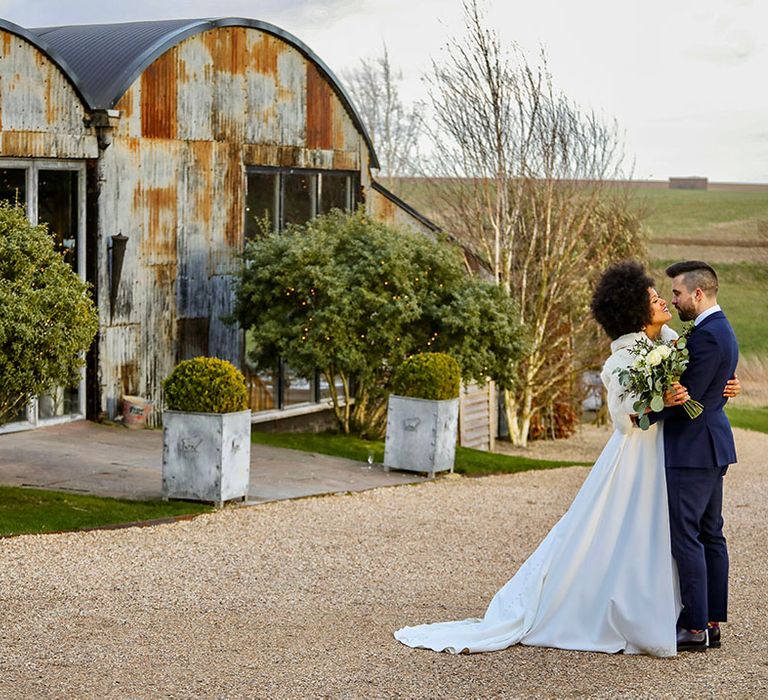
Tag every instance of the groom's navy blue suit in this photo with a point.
(697, 453)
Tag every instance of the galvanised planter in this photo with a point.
(421, 434)
(206, 456)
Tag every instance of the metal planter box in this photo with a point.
(206, 456)
(421, 434)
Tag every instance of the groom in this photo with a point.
(697, 453)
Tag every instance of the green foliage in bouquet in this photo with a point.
(428, 375)
(47, 318)
(656, 367)
(206, 385)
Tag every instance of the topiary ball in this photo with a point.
(428, 375)
(206, 385)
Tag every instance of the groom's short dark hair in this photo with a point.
(695, 274)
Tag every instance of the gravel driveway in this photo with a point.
(299, 599)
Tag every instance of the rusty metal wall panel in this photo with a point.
(319, 111)
(275, 92)
(195, 229)
(192, 338)
(174, 182)
(122, 377)
(292, 157)
(155, 200)
(384, 209)
(158, 98)
(41, 115)
(225, 338)
(195, 90)
(36, 144)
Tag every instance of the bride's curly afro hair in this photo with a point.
(620, 303)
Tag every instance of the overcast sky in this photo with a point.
(686, 79)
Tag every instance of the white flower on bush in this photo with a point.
(665, 351)
(654, 357)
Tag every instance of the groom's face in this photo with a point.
(684, 301)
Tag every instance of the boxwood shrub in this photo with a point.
(206, 385)
(428, 375)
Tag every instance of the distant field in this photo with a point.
(710, 213)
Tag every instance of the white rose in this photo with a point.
(637, 364)
(665, 351)
(654, 357)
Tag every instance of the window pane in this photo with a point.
(57, 207)
(296, 389)
(334, 192)
(13, 185)
(299, 198)
(262, 386)
(19, 415)
(60, 402)
(260, 203)
(325, 389)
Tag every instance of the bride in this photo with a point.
(603, 579)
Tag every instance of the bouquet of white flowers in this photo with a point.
(656, 367)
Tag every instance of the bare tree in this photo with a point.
(394, 128)
(521, 176)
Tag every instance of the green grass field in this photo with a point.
(468, 462)
(748, 418)
(673, 213)
(24, 510)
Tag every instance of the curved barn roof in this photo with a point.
(103, 60)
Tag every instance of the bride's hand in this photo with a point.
(676, 395)
(732, 387)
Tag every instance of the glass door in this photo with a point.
(53, 193)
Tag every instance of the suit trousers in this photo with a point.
(698, 546)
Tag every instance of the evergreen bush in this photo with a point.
(428, 375)
(206, 385)
(47, 318)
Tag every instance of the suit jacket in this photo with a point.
(706, 441)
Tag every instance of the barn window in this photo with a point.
(294, 196)
(278, 197)
(53, 193)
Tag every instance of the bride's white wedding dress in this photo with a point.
(603, 579)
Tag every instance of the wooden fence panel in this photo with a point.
(477, 416)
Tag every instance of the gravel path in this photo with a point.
(299, 599)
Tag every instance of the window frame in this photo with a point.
(33, 166)
(278, 221)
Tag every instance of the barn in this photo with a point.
(153, 150)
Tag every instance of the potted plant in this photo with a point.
(422, 414)
(206, 432)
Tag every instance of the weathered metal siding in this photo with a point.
(384, 209)
(41, 115)
(173, 181)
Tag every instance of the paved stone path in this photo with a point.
(87, 457)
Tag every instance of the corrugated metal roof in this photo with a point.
(103, 60)
(107, 58)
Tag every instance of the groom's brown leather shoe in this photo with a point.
(691, 641)
(713, 633)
